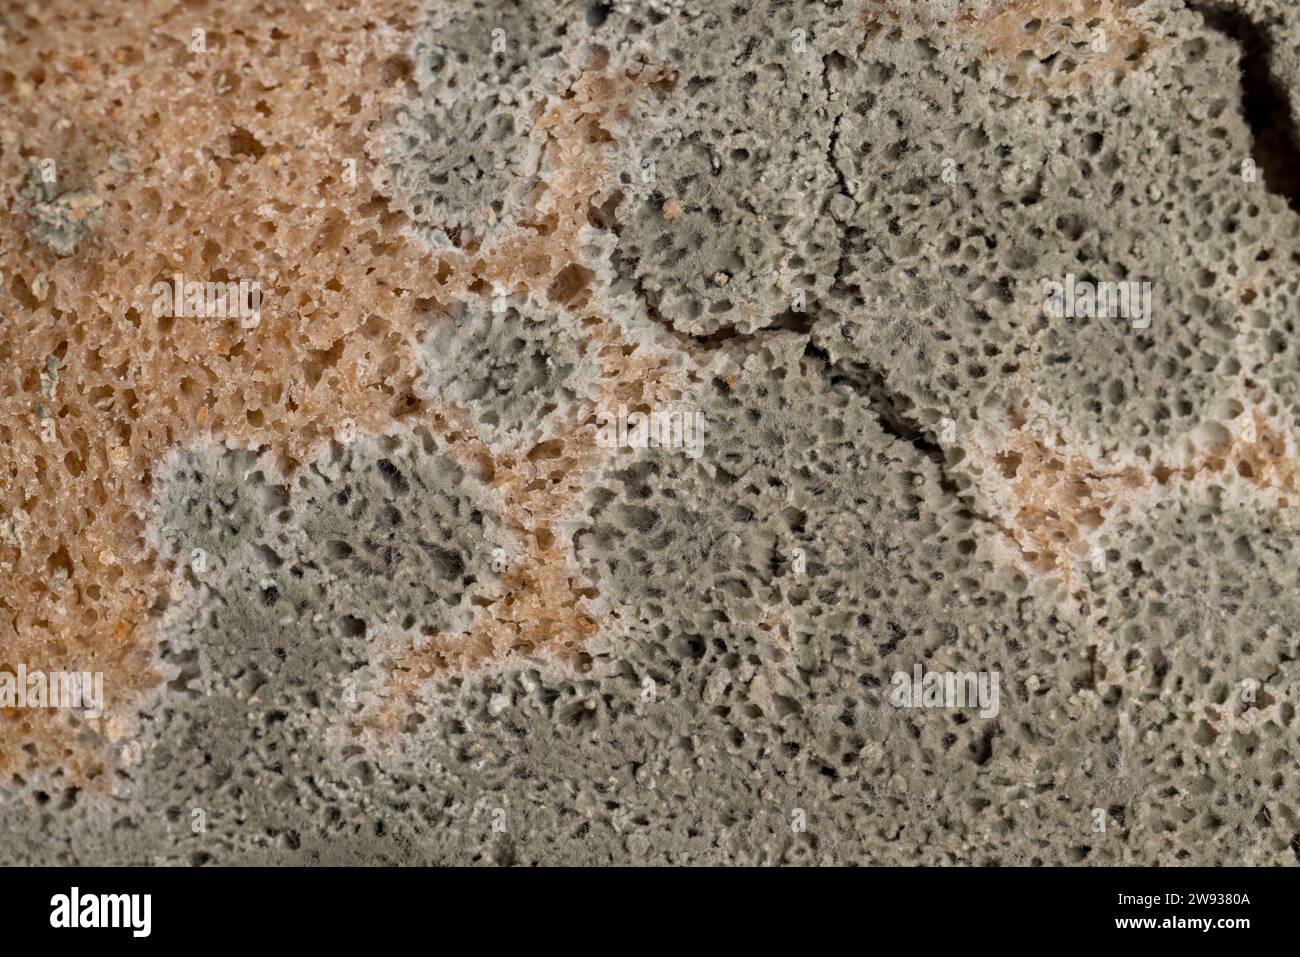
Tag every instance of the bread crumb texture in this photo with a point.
(340, 548)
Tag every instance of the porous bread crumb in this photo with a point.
(1038, 47)
(225, 164)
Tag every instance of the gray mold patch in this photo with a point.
(384, 533)
(726, 221)
(967, 205)
(516, 367)
(1195, 654)
(283, 590)
(738, 709)
(763, 596)
(461, 151)
(60, 218)
(734, 712)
